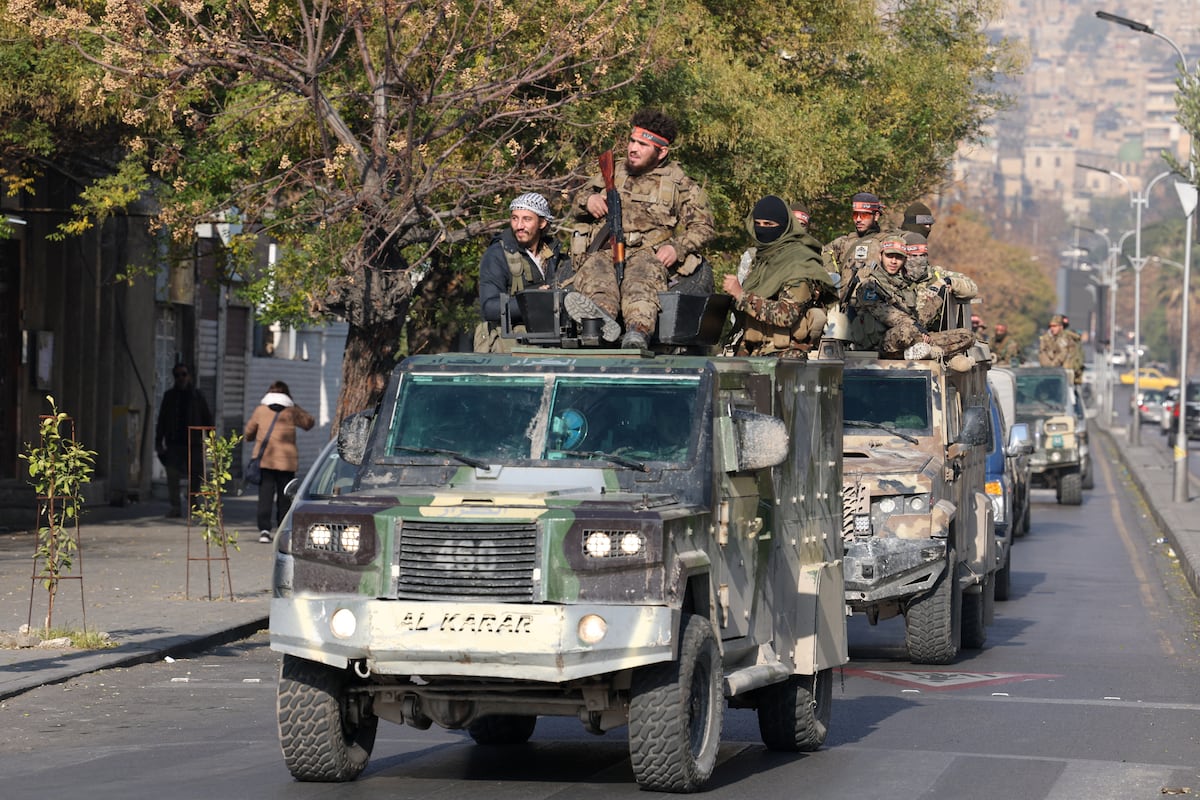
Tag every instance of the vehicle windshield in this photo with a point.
(1041, 393)
(891, 400)
(621, 420)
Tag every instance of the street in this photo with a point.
(1088, 686)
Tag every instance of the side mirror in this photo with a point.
(1020, 443)
(762, 440)
(974, 427)
(352, 437)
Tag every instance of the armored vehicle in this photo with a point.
(918, 527)
(615, 536)
(1046, 401)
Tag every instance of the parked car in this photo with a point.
(1007, 459)
(1148, 405)
(1150, 378)
(1003, 384)
(1170, 421)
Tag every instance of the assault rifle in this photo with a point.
(615, 228)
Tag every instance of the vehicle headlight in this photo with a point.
(887, 505)
(608, 544)
(320, 536)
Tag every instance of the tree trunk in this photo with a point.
(369, 359)
(433, 327)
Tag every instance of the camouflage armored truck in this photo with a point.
(918, 527)
(614, 536)
(1046, 402)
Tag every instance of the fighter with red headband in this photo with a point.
(667, 221)
(846, 255)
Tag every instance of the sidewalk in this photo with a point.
(139, 586)
(136, 569)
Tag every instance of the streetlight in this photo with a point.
(1188, 198)
(1139, 201)
(1114, 250)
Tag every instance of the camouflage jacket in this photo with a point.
(931, 291)
(890, 299)
(661, 206)
(1058, 351)
(846, 256)
(1006, 352)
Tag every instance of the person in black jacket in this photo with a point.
(182, 407)
(524, 256)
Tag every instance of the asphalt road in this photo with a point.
(1088, 687)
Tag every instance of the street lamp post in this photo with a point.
(1139, 200)
(1181, 442)
(1110, 378)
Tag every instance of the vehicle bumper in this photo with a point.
(492, 640)
(888, 568)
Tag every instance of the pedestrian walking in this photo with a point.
(182, 407)
(273, 427)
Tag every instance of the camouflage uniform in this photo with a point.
(848, 256)
(895, 313)
(782, 308)
(658, 207)
(1006, 352)
(1061, 350)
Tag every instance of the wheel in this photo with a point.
(931, 622)
(793, 716)
(1003, 578)
(1088, 481)
(326, 733)
(675, 711)
(1070, 489)
(502, 729)
(1025, 517)
(974, 626)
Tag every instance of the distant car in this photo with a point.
(1150, 378)
(1170, 420)
(1119, 358)
(1148, 405)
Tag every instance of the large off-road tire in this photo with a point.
(974, 625)
(1070, 489)
(322, 731)
(932, 621)
(675, 711)
(1025, 518)
(793, 716)
(502, 729)
(1003, 577)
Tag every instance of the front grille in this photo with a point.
(453, 561)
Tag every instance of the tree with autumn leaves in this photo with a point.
(379, 142)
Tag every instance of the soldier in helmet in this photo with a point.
(667, 221)
(847, 255)
(780, 306)
(1057, 349)
(888, 318)
(522, 256)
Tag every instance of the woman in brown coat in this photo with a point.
(281, 459)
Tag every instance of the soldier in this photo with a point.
(1005, 351)
(523, 256)
(1057, 349)
(846, 255)
(918, 219)
(780, 307)
(933, 284)
(667, 220)
(1076, 364)
(979, 329)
